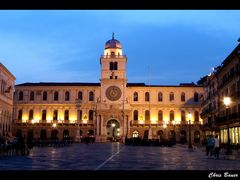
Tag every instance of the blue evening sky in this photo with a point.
(164, 47)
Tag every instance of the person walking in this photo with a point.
(216, 147)
(210, 145)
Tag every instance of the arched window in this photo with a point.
(160, 97)
(171, 115)
(90, 115)
(44, 98)
(196, 116)
(30, 117)
(135, 115)
(111, 66)
(32, 96)
(183, 116)
(44, 114)
(135, 134)
(55, 96)
(195, 97)
(147, 96)
(67, 96)
(90, 132)
(112, 54)
(171, 96)
(115, 66)
(183, 97)
(20, 96)
(135, 96)
(196, 137)
(66, 115)
(147, 115)
(91, 96)
(20, 114)
(80, 95)
(55, 114)
(65, 134)
(160, 115)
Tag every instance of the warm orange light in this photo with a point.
(227, 101)
(54, 125)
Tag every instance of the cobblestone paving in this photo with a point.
(115, 156)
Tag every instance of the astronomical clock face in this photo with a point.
(113, 93)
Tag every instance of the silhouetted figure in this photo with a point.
(216, 147)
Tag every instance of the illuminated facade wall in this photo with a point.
(6, 100)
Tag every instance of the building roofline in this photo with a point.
(98, 84)
(7, 71)
(59, 84)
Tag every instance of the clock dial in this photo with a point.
(113, 93)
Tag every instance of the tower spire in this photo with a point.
(113, 35)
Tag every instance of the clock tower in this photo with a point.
(113, 73)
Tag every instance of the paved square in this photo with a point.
(116, 156)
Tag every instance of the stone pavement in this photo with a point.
(117, 156)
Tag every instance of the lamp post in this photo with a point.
(189, 130)
(113, 126)
(174, 135)
(227, 102)
(78, 136)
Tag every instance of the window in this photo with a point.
(112, 54)
(135, 134)
(147, 96)
(171, 115)
(183, 97)
(66, 115)
(160, 115)
(116, 77)
(147, 115)
(20, 96)
(91, 96)
(31, 96)
(67, 96)
(55, 96)
(20, 115)
(171, 96)
(111, 66)
(115, 66)
(80, 95)
(55, 114)
(90, 115)
(160, 97)
(195, 97)
(111, 77)
(135, 96)
(196, 116)
(183, 116)
(30, 117)
(135, 115)
(44, 95)
(44, 114)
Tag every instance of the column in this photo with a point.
(98, 126)
(101, 125)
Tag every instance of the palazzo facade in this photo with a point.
(7, 81)
(110, 109)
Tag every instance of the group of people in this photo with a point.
(212, 146)
(10, 145)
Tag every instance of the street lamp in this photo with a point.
(189, 130)
(113, 126)
(227, 102)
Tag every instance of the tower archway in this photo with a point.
(113, 130)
